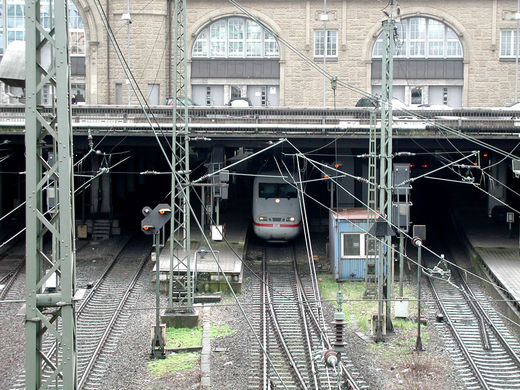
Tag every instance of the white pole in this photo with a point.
(517, 46)
(128, 89)
(325, 17)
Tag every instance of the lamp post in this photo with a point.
(517, 48)
(419, 236)
(418, 243)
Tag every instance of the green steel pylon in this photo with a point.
(49, 314)
(385, 154)
(180, 192)
(371, 244)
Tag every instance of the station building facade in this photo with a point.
(458, 53)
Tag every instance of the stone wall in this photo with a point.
(488, 81)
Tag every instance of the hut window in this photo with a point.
(351, 244)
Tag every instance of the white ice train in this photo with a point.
(276, 208)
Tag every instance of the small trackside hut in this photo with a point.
(348, 243)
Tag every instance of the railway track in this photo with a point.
(101, 316)
(482, 348)
(8, 275)
(290, 328)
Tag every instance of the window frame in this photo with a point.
(203, 46)
(511, 45)
(362, 244)
(451, 47)
(331, 49)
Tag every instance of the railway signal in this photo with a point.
(154, 220)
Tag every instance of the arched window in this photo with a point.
(420, 37)
(235, 37)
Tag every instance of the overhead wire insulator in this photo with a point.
(330, 357)
(339, 323)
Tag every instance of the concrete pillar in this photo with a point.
(106, 193)
(499, 172)
(94, 187)
(345, 200)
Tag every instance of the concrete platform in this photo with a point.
(493, 246)
(228, 253)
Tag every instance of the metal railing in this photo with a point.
(222, 119)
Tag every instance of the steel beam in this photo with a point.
(49, 315)
(385, 157)
(180, 248)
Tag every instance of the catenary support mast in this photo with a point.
(49, 212)
(385, 154)
(180, 197)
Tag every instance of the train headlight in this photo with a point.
(277, 200)
(292, 219)
(262, 218)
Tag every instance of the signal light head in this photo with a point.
(165, 211)
(148, 228)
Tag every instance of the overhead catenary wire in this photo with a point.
(314, 65)
(230, 287)
(134, 85)
(395, 227)
(76, 191)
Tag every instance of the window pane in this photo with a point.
(378, 48)
(506, 43)
(270, 45)
(254, 49)
(254, 31)
(254, 39)
(267, 190)
(351, 244)
(332, 41)
(218, 39)
(200, 47)
(436, 31)
(287, 191)
(235, 29)
(318, 42)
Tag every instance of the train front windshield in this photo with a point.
(276, 190)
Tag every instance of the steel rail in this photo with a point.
(108, 330)
(52, 349)
(265, 379)
(491, 324)
(480, 319)
(278, 330)
(458, 339)
(350, 379)
(301, 307)
(9, 279)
